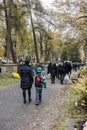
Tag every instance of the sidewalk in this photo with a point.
(14, 115)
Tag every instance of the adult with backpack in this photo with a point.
(39, 84)
(26, 80)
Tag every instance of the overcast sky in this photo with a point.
(47, 2)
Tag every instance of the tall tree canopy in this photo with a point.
(29, 29)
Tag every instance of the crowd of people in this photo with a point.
(61, 70)
(31, 76)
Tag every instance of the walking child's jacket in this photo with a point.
(43, 79)
(39, 80)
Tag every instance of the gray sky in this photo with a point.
(47, 2)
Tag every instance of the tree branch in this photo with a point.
(82, 17)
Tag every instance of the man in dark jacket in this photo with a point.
(62, 70)
(53, 72)
(49, 68)
(26, 80)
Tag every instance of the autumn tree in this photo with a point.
(66, 14)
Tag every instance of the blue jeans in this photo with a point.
(38, 95)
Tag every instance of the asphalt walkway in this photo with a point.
(14, 115)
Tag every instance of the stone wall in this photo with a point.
(7, 69)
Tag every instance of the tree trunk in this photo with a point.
(13, 53)
(41, 47)
(46, 52)
(8, 31)
(9, 43)
(34, 36)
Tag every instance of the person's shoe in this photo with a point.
(30, 99)
(36, 104)
(24, 101)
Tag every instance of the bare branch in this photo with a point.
(82, 17)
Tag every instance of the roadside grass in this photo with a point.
(4, 82)
(70, 111)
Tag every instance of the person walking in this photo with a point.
(62, 70)
(39, 84)
(53, 72)
(26, 80)
(49, 68)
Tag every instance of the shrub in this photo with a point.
(81, 88)
(83, 72)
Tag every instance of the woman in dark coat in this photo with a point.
(26, 80)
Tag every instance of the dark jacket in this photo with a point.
(26, 77)
(49, 68)
(62, 69)
(53, 70)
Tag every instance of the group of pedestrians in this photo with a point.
(28, 78)
(59, 71)
(36, 78)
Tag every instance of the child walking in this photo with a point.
(39, 84)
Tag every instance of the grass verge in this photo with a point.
(70, 111)
(4, 82)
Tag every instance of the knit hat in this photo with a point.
(27, 61)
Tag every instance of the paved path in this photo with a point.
(14, 115)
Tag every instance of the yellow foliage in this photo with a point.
(2, 51)
(82, 104)
(15, 75)
(83, 72)
(81, 86)
(82, 101)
